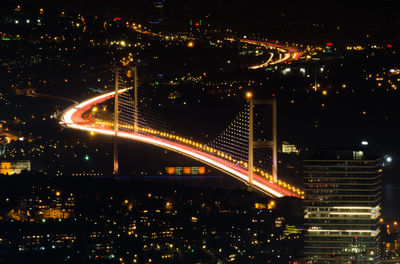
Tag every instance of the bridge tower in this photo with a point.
(116, 112)
(135, 99)
(116, 123)
(256, 144)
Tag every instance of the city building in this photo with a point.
(342, 207)
(289, 148)
(185, 170)
(14, 167)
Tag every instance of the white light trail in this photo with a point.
(265, 64)
(341, 231)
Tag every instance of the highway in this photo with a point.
(73, 118)
(263, 65)
(285, 53)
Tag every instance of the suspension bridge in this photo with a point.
(232, 153)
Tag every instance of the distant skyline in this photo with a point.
(345, 20)
(334, 9)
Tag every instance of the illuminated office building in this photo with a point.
(342, 207)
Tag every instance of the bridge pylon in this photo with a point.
(116, 123)
(272, 144)
(135, 99)
(117, 110)
(250, 162)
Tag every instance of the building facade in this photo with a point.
(342, 207)
(14, 167)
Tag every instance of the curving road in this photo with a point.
(285, 53)
(73, 118)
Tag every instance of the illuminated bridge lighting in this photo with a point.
(263, 181)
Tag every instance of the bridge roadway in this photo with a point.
(73, 118)
(285, 53)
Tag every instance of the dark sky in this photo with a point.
(381, 9)
(356, 18)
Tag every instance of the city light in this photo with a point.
(271, 205)
(170, 152)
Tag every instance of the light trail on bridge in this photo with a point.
(288, 53)
(262, 65)
(73, 118)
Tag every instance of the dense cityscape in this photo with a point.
(193, 131)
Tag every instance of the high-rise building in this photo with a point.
(342, 207)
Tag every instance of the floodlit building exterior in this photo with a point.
(289, 148)
(342, 207)
(14, 167)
